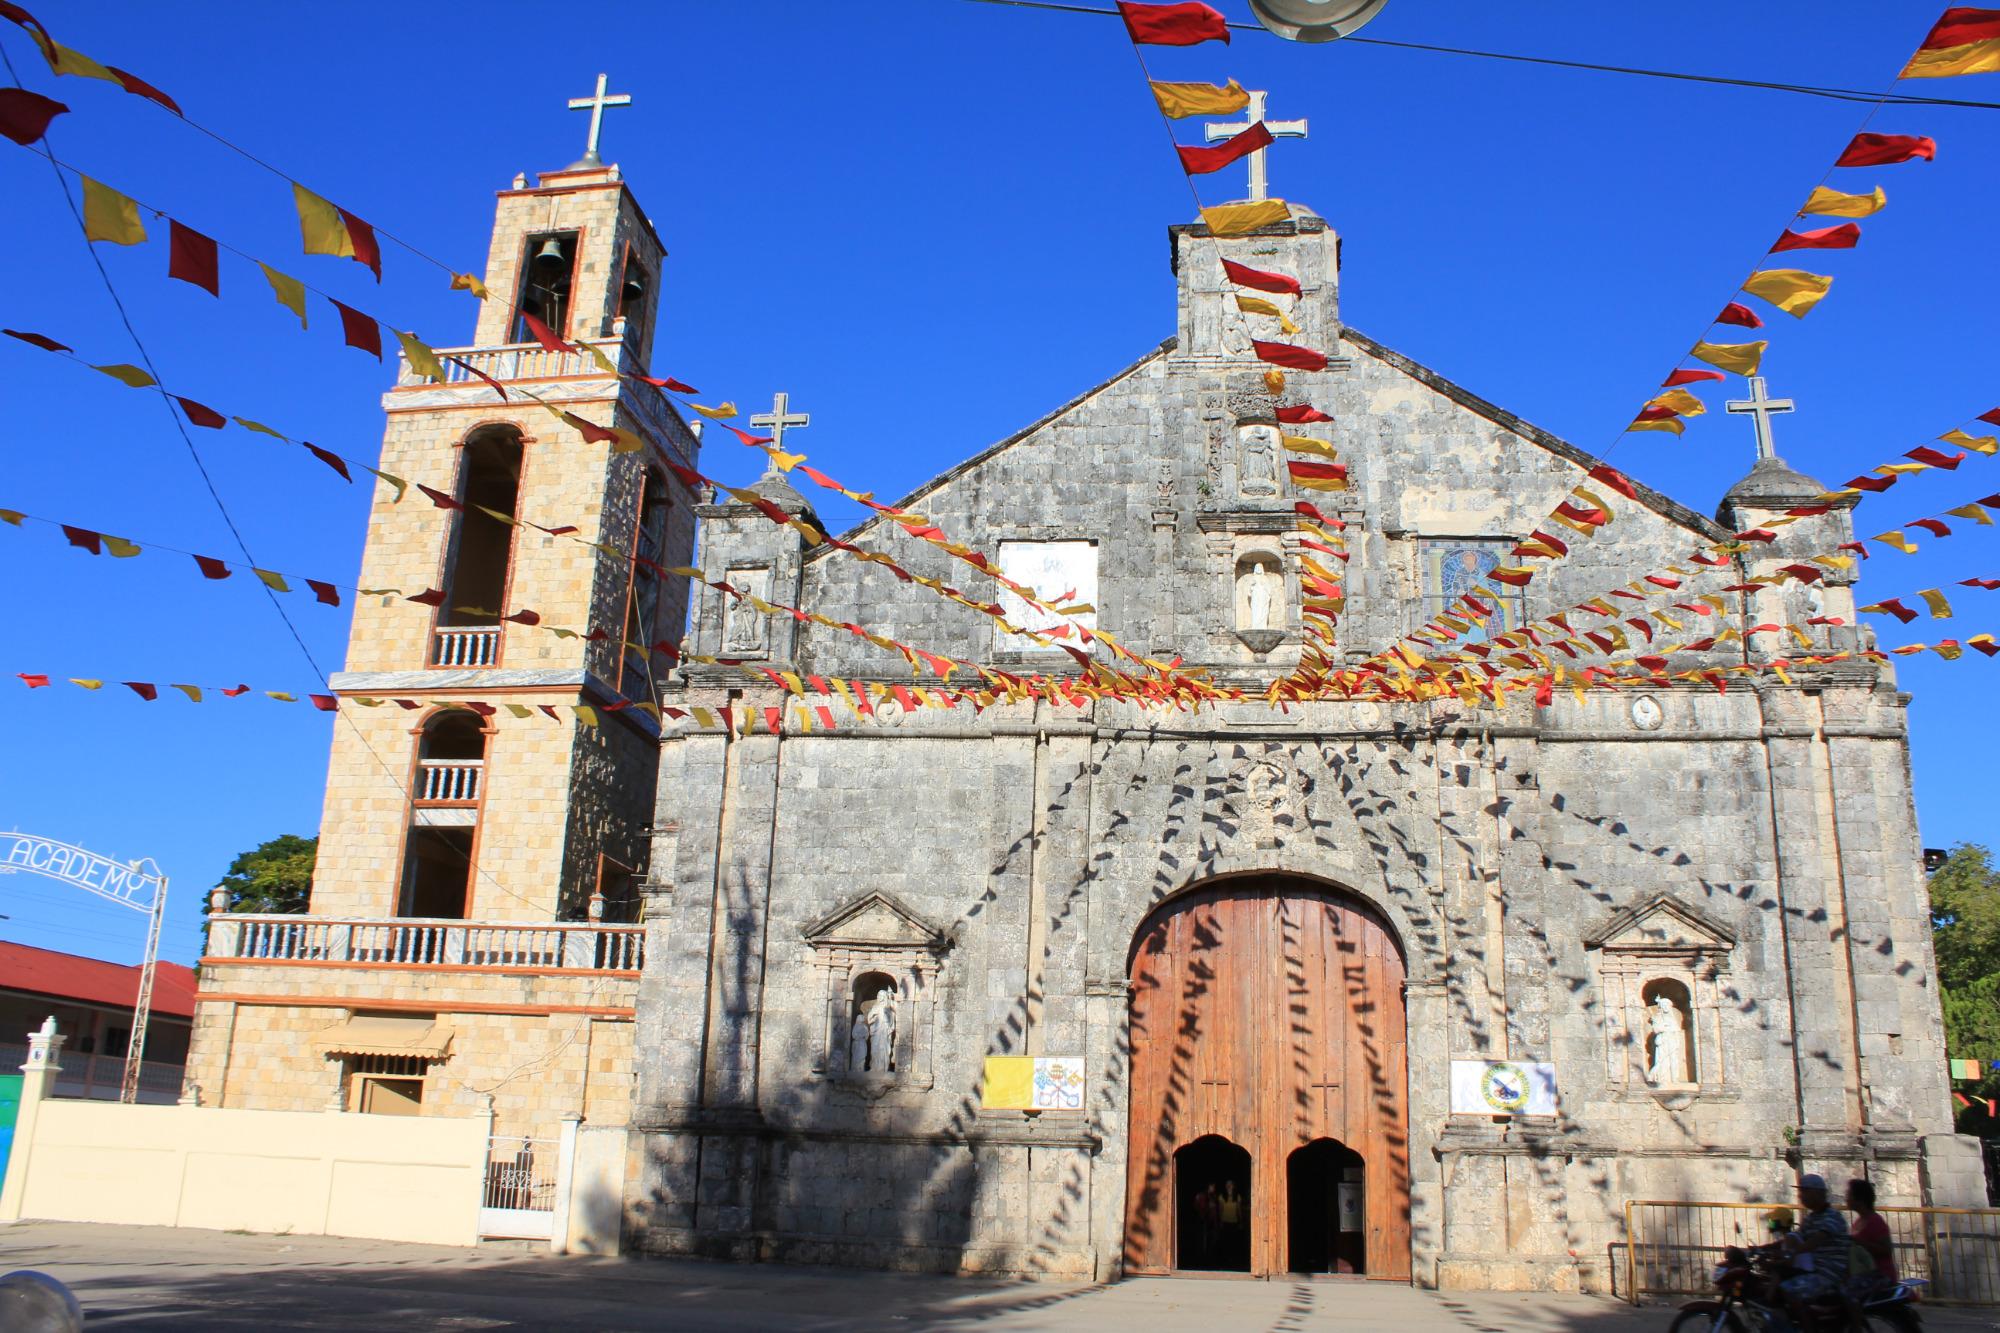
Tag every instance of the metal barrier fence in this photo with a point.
(1672, 1245)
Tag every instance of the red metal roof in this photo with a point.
(65, 976)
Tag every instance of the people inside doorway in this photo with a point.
(1212, 1206)
(1233, 1209)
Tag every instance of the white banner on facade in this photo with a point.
(1502, 1087)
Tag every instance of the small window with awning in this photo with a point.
(390, 1035)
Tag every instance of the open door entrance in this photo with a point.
(1326, 1209)
(1212, 1206)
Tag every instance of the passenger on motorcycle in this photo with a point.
(1870, 1235)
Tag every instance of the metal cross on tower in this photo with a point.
(1260, 184)
(1761, 407)
(777, 419)
(595, 105)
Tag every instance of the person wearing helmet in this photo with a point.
(1817, 1251)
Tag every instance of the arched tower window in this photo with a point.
(444, 817)
(478, 556)
(548, 268)
(645, 622)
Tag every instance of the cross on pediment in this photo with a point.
(1763, 408)
(1260, 185)
(595, 105)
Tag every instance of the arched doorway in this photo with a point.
(1268, 1012)
(1326, 1209)
(1212, 1187)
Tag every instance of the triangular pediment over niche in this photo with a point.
(874, 920)
(1661, 922)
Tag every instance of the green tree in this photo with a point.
(273, 877)
(1965, 935)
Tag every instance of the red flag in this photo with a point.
(471, 369)
(332, 460)
(211, 568)
(1989, 584)
(137, 86)
(1690, 377)
(201, 415)
(1875, 485)
(1289, 356)
(363, 237)
(1201, 161)
(439, 498)
(1656, 414)
(1894, 606)
(83, 537)
(1301, 415)
(359, 330)
(1306, 473)
(1961, 26)
(544, 335)
(523, 618)
(1923, 453)
(1991, 418)
(590, 430)
(36, 681)
(1739, 314)
(1885, 150)
(326, 703)
(240, 689)
(142, 689)
(325, 592)
(1245, 276)
(1173, 25)
(1842, 237)
(191, 258)
(669, 383)
(1615, 479)
(1931, 525)
(25, 116)
(428, 597)
(48, 344)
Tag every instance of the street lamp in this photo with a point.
(1314, 20)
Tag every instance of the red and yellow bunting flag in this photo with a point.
(1301, 415)
(1885, 150)
(1829, 202)
(1313, 476)
(1658, 418)
(1792, 290)
(1690, 376)
(110, 216)
(1289, 355)
(359, 330)
(1185, 24)
(1245, 276)
(62, 60)
(1242, 219)
(1738, 358)
(191, 257)
(1201, 161)
(1181, 100)
(1843, 237)
(1963, 41)
(291, 293)
(328, 229)
(1740, 315)
(25, 116)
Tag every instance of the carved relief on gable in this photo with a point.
(1267, 798)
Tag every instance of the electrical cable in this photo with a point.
(1802, 89)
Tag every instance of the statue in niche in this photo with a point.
(1257, 460)
(1260, 596)
(1668, 1028)
(871, 1042)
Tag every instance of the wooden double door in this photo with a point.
(1269, 1125)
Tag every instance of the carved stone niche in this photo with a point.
(878, 963)
(1266, 799)
(1660, 970)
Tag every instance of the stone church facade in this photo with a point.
(1265, 933)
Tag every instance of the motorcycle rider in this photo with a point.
(1818, 1249)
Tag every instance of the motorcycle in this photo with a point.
(1747, 1280)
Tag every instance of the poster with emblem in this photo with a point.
(1503, 1087)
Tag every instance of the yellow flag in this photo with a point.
(128, 375)
(320, 225)
(12, 517)
(1305, 444)
(465, 282)
(1979, 444)
(519, 710)
(65, 61)
(272, 579)
(585, 714)
(193, 692)
(1739, 358)
(702, 717)
(1836, 204)
(291, 293)
(1895, 538)
(1940, 608)
(1977, 57)
(87, 684)
(421, 358)
(1181, 100)
(1009, 1083)
(281, 696)
(1792, 290)
(110, 216)
(1274, 380)
(119, 547)
(721, 413)
(1257, 305)
(604, 363)
(1681, 401)
(1973, 512)
(1237, 219)
(1673, 425)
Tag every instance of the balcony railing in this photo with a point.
(426, 943)
(466, 646)
(448, 781)
(101, 1077)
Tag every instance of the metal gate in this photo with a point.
(518, 1199)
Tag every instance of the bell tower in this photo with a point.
(487, 767)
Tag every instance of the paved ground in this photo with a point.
(157, 1279)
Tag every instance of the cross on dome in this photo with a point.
(1762, 408)
(1260, 185)
(595, 105)
(777, 419)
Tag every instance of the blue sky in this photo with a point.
(929, 221)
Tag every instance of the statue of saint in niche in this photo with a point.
(1261, 587)
(871, 1042)
(1257, 460)
(1668, 1028)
